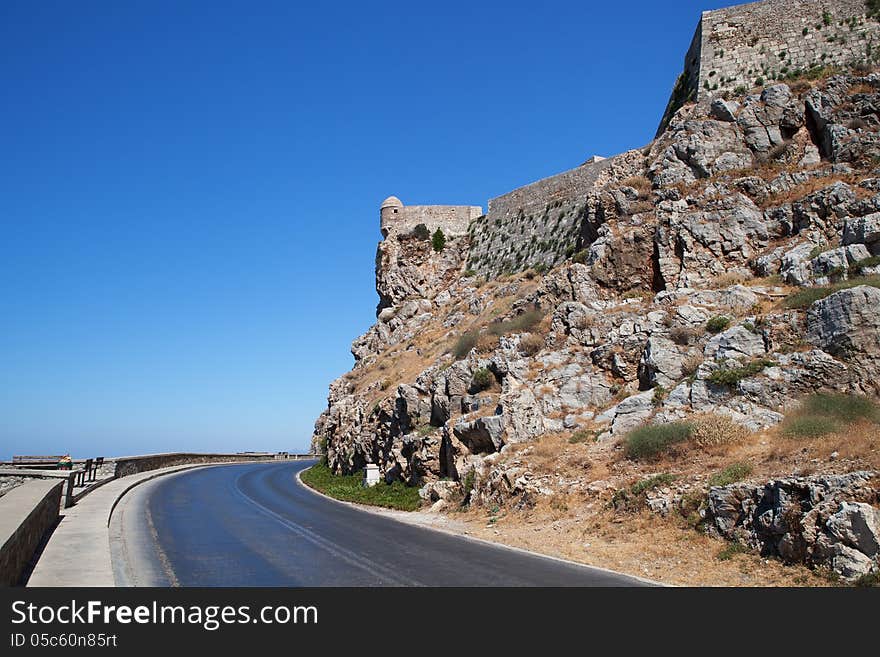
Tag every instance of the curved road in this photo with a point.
(256, 525)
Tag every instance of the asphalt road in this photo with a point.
(256, 525)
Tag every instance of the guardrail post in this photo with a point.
(68, 497)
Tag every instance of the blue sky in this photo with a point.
(189, 191)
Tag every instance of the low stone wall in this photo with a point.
(27, 512)
(8, 482)
(133, 464)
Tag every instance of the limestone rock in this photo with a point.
(735, 342)
(847, 324)
(482, 435)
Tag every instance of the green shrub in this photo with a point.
(580, 436)
(717, 324)
(350, 488)
(482, 379)
(467, 485)
(861, 265)
(808, 296)
(825, 413)
(809, 426)
(654, 439)
(633, 498)
(469, 272)
(731, 376)
(438, 240)
(846, 408)
(731, 474)
(465, 343)
(659, 395)
(651, 483)
(731, 550)
(580, 256)
(421, 232)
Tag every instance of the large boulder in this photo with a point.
(482, 435)
(735, 342)
(847, 324)
(863, 230)
(822, 520)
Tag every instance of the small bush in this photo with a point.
(468, 273)
(731, 474)
(717, 324)
(421, 232)
(581, 256)
(731, 376)
(659, 395)
(809, 426)
(685, 335)
(654, 439)
(823, 413)
(691, 364)
(861, 265)
(712, 430)
(482, 379)
(464, 344)
(530, 344)
(633, 498)
(518, 324)
(580, 436)
(651, 483)
(438, 240)
(467, 485)
(808, 296)
(846, 408)
(731, 551)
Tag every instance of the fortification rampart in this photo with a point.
(453, 220)
(540, 224)
(744, 46)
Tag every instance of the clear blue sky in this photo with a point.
(189, 191)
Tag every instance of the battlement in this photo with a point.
(453, 220)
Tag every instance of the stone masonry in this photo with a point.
(733, 49)
(542, 223)
(746, 45)
(453, 220)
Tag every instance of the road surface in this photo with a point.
(256, 525)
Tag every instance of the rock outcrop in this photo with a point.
(669, 307)
(824, 520)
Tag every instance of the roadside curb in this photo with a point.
(386, 513)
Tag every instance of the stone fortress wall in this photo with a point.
(453, 220)
(733, 49)
(538, 224)
(746, 45)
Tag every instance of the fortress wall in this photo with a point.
(539, 224)
(453, 220)
(741, 44)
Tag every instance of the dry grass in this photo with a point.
(691, 364)
(531, 344)
(862, 88)
(640, 544)
(728, 279)
(858, 444)
(813, 185)
(711, 430)
(639, 183)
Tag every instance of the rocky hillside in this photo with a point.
(725, 274)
